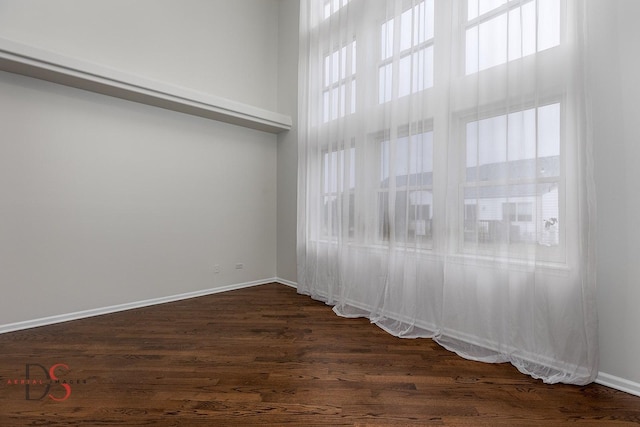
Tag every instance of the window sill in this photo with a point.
(463, 258)
(29, 61)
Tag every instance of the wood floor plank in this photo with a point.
(268, 356)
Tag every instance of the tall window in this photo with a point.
(332, 6)
(406, 52)
(449, 193)
(406, 168)
(498, 31)
(513, 178)
(338, 172)
(339, 94)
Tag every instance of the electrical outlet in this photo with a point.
(216, 268)
(239, 266)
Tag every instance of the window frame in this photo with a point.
(397, 54)
(415, 130)
(448, 129)
(487, 16)
(551, 254)
(347, 101)
(343, 191)
(333, 6)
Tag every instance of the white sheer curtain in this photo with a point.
(445, 179)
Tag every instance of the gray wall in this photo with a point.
(288, 141)
(104, 201)
(614, 70)
(222, 47)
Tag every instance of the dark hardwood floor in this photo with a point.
(267, 356)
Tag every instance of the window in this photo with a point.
(339, 94)
(506, 165)
(454, 187)
(338, 171)
(406, 51)
(332, 6)
(499, 31)
(406, 165)
(513, 177)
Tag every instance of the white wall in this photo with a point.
(288, 141)
(104, 201)
(222, 47)
(615, 67)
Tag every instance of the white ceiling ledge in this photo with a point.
(46, 65)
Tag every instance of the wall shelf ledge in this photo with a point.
(33, 62)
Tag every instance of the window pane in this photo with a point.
(335, 67)
(492, 42)
(524, 211)
(549, 230)
(403, 158)
(332, 6)
(386, 40)
(338, 168)
(405, 30)
(549, 130)
(472, 59)
(327, 70)
(419, 152)
(522, 135)
(353, 58)
(520, 145)
(423, 69)
(515, 214)
(384, 229)
(480, 7)
(492, 140)
(508, 211)
(331, 68)
(335, 103)
(423, 22)
(330, 180)
(339, 69)
(470, 227)
(326, 116)
(409, 161)
(510, 35)
(404, 78)
(333, 215)
(329, 214)
(385, 83)
(353, 97)
(522, 31)
(416, 25)
(412, 160)
(400, 216)
(384, 163)
(505, 214)
(420, 215)
(415, 72)
(549, 24)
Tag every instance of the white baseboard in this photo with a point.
(44, 321)
(618, 383)
(286, 282)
